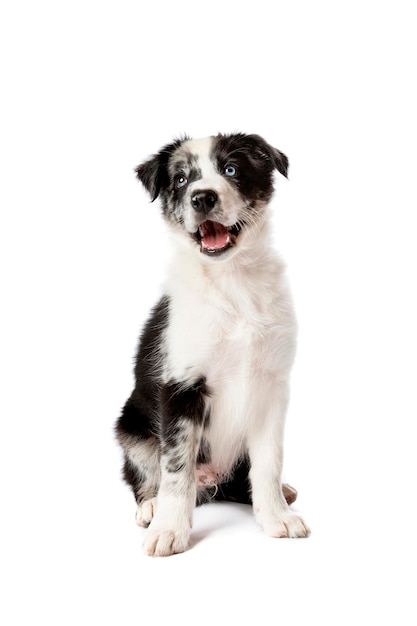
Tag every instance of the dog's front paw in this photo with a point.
(285, 524)
(164, 542)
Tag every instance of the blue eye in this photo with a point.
(180, 181)
(230, 170)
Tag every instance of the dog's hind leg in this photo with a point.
(143, 480)
(237, 488)
(141, 468)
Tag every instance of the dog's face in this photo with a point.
(214, 190)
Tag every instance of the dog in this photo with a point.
(206, 417)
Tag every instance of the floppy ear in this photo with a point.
(153, 174)
(281, 162)
(278, 159)
(150, 176)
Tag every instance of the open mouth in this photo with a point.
(214, 238)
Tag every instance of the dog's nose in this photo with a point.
(204, 201)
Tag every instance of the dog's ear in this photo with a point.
(150, 176)
(281, 162)
(153, 173)
(277, 158)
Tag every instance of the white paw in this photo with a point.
(286, 524)
(163, 542)
(145, 512)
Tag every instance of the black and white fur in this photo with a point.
(206, 417)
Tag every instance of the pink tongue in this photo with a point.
(215, 237)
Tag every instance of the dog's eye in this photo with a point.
(180, 181)
(230, 170)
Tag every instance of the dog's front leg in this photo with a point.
(182, 414)
(265, 444)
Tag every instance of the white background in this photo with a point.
(89, 89)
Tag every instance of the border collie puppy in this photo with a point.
(206, 417)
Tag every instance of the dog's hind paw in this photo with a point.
(145, 512)
(161, 542)
(290, 494)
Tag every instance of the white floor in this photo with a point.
(72, 554)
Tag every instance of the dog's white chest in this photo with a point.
(204, 340)
(227, 329)
(236, 330)
(229, 380)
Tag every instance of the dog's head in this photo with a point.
(214, 190)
